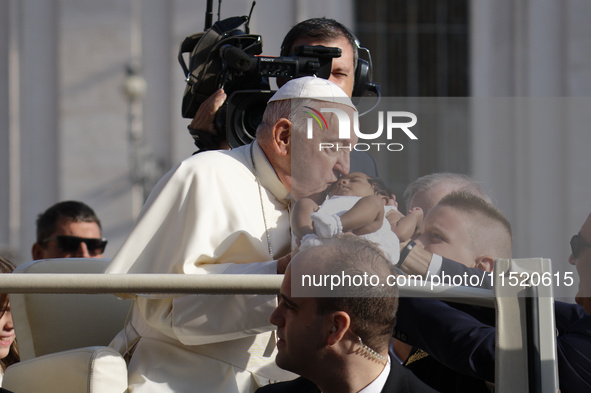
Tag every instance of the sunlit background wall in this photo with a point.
(66, 119)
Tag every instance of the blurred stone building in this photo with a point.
(66, 119)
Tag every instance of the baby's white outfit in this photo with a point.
(327, 224)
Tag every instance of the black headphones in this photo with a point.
(364, 69)
(363, 73)
(363, 84)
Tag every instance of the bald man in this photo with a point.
(338, 342)
(427, 191)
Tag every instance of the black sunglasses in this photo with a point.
(577, 244)
(70, 244)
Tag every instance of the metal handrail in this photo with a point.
(203, 284)
(140, 283)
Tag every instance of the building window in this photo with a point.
(420, 49)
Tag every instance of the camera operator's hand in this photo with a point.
(205, 116)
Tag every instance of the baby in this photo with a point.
(356, 204)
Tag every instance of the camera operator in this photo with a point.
(327, 32)
(314, 31)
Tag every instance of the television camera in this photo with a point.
(223, 56)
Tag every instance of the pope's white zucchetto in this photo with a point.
(314, 88)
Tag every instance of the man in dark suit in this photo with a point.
(465, 342)
(472, 232)
(467, 231)
(334, 321)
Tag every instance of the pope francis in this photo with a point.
(227, 212)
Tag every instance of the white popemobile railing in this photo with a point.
(525, 345)
(212, 284)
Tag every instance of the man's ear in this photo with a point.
(281, 135)
(339, 324)
(37, 251)
(485, 263)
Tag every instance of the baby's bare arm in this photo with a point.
(301, 223)
(407, 225)
(366, 216)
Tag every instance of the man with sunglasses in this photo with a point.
(581, 258)
(69, 229)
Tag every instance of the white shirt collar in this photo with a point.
(267, 175)
(378, 384)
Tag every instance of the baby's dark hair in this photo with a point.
(379, 186)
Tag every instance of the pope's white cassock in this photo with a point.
(210, 214)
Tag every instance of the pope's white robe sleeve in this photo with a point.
(205, 319)
(205, 217)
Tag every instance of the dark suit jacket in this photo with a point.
(400, 380)
(428, 368)
(440, 377)
(465, 344)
